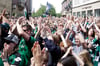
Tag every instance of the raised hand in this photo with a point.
(20, 20)
(4, 54)
(37, 53)
(19, 28)
(31, 22)
(69, 50)
(3, 12)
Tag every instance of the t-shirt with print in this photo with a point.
(95, 51)
(25, 47)
(15, 59)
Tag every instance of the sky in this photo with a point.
(56, 3)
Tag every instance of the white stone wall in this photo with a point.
(82, 2)
(86, 8)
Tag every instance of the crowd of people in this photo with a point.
(49, 41)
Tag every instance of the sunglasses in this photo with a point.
(25, 30)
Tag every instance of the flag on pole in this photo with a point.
(25, 12)
(48, 7)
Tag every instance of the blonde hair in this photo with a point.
(86, 57)
(81, 38)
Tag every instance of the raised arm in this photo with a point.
(89, 26)
(20, 30)
(97, 28)
(39, 27)
(82, 27)
(67, 52)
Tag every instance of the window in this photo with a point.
(78, 14)
(83, 13)
(74, 13)
(89, 13)
(97, 13)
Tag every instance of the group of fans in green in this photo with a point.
(49, 41)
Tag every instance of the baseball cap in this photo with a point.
(12, 38)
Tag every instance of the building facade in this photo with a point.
(6, 4)
(67, 7)
(12, 6)
(86, 8)
(20, 5)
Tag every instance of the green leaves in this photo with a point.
(42, 10)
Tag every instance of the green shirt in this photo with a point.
(15, 59)
(25, 47)
(95, 51)
(53, 31)
(36, 29)
(1, 62)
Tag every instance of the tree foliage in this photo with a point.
(42, 10)
(52, 12)
(58, 15)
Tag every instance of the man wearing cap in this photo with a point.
(10, 56)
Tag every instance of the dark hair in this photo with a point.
(28, 27)
(93, 35)
(57, 39)
(68, 61)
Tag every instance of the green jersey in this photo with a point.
(25, 47)
(15, 59)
